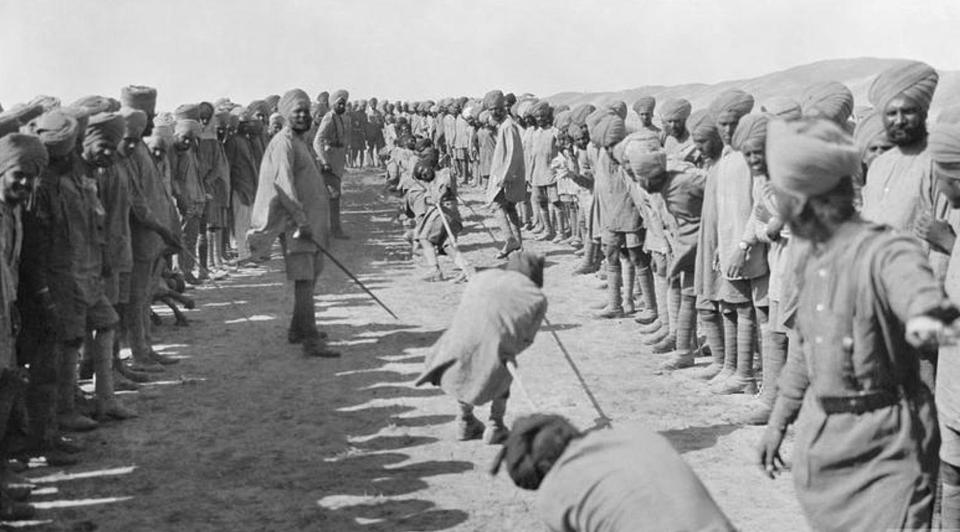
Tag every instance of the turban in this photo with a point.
(607, 129)
(8, 124)
(562, 120)
(950, 115)
(461, 101)
(732, 103)
(525, 107)
(467, 111)
(944, 146)
(83, 116)
(157, 142)
(510, 99)
(139, 97)
(619, 108)
(187, 111)
(429, 156)
(104, 127)
(323, 97)
(25, 151)
(914, 79)
(233, 121)
(675, 109)
(260, 107)
(561, 108)
(831, 100)
(702, 125)
(205, 109)
(493, 99)
(135, 121)
(57, 131)
(222, 119)
(290, 101)
(164, 119)
(24, 113)
(642, 155)
(341, 95)
(644, 105)
(580, 113)
(752, 127)
(807, 158)
(540, 108)
(98, 104)
(243, 114)
(373, 102)
(272, 101)
(868, 130)
(166, 132)
(187, 127)
(47, 102)
(782, 107)
(276, 119)
(535, 443)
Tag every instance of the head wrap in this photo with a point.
(944, 147)
(8, 124)
(807, 158)
(830, 99)
(732, 103)
(751, 127)
(675, 109)
(48, 103)
(276, 120)
(341, 95)
(164, 119)
(529, 264)
(233, 121)
(323, 97)
(272, 101)
(535, 443)
(290, 101)
(483, 118)
(26, 151)
(98, 104)
(950, 115)
(702, 125)
(187, 111)
(580, 113)
(493, 99)
(57, 130)
(606, 129)
(187, 127)
(913, 79)
(83, 116)
(868, 130)
(524, 107)
(561, 108)
(429, 156)
(135, 121)
(106, 127)
(644, 105)
(642, 155)
(782, 107)
(222, 119)
(139, 97)
(562, 120)
(540, 107)
(510, 99)
(157, 142)
(24, 113)
(619, 108)
(260, 107)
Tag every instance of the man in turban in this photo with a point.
(330, 146)
(618, 480)
(291, 199)
(449, 127)
(189, 192)
(589, 210)
(865, 453)
(831, 100)
(463, 142)
(244, 167)
(644, 108)
(374, 133)
(871, 137)
(743, 267)
(544, 147)
(151, 227)
(673, 115)
(215, 176)
(782, 107)
(507, 185)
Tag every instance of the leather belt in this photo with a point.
(858, 404)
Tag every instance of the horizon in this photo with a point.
(397, 51)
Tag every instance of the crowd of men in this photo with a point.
(805, 248)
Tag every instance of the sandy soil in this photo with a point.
(273, 441)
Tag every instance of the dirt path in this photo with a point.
(273, 441)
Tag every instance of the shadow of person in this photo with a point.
(690, 439)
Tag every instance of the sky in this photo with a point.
(193, 50)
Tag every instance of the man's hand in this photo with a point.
(937, 233)
(169, 238)
(768, 452)
(303, 233)
(324, 167)
(735, 271)
(924, 331)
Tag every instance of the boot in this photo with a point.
(729, 349)
(468, 426)
(589, 264)
(68, 417)
(548, 231)
(666, 345)
(629, 281)
(678, 360)
(107, 406)
(162, 359)
(497, 432)
(614, 308)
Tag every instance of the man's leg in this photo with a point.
(497, 432)
(614, 308)
(304, 268)
(509, 226)
(468, 426)
(107, 405)
(68, 417)
(138, 315)
(649, 287)
(712, 325)
(190, 228)
(432, 261)
(685, 323)
(742, 381)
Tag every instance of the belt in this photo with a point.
(858, 404)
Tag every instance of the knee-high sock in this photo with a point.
(629, 280)
(661, 299)
(713, 329)
(686, 323)
(763, 338)
(746, 340)
(729, 339)
(673, 303)
(774, 357)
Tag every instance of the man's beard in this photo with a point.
(907, 136)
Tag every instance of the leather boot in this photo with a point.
(614, 308)
(41, 402)
(68, 417)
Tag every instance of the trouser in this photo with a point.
(509, 220)
(138, 310)
(43, 355)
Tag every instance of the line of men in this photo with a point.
(803, 248)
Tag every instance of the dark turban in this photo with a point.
(260, 107)
(752, 127)
(807, 158)
(831, 100)
(510, 99)
(106, 127)
(140, 97)
(675, 109)
(732, 103)
(535, 443)
(135, 121)
(914, 79)
(187, 111)
(272, 102)
(291, 100)
(645, 104)
(57, 130)
(25, 151)
(493, 99)
(341, 95)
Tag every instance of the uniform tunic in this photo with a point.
(625, 480)
(464, 139)
(734, 203)
(874, 470)
(330, 144)
(682, 198)
(114, 189)
(543, 148)
(613, 193)
(151, 205)
(674, 146)
(899, 187)
(707, 280)
(506, 165)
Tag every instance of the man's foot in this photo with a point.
(67, 445)
(678, 360)
(76, 422)
(724, 374)
(16, 511)
(129, 374)
(121, 384)
(191, 279)
(495, 434)
(509, 247)
(340, 235)
(163, 360)
(734, 385)
(17, 493)
(546, 237)
(609, 313)
(112, 409)
(651, 327)
(646, 317)
(759, 414)
(316, 348)
(434, 277)
(708, 372)
(296, 337)
(656, 337)
(469, 428)
(145, 365)
(666, 345)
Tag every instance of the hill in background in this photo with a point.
(857, 74)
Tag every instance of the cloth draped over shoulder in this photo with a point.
(498, 317)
